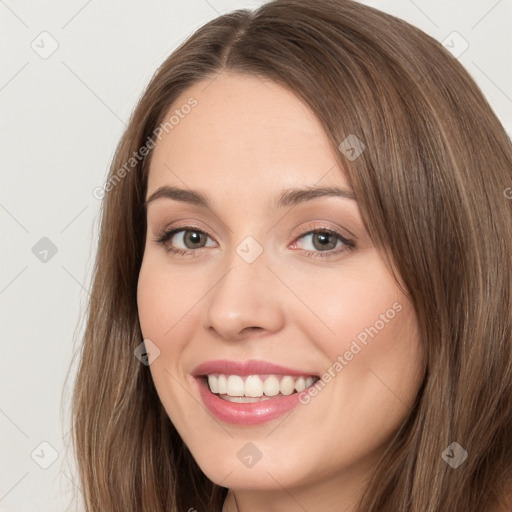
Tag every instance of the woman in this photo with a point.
(306, 222)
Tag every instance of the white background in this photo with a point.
(61, 119)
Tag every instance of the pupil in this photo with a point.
(323, 239)
(194, 237)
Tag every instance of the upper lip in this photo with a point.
(251, 367)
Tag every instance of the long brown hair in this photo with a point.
(431, 185)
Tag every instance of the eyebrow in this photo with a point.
(289, 197)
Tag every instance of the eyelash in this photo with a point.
(166, 235)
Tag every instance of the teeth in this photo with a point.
(235, 385)
(253, 386)
(287, 385)
(213, 382)
(256, 386)
(271, 386)
(300, 384)
(222, 384)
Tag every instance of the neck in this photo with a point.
(318, 498)
(230, 503)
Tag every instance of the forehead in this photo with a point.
(245, 133)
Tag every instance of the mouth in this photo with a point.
(256, 388)
(250, 392)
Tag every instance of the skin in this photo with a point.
(248, 139)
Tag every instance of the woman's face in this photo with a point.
(256, 288)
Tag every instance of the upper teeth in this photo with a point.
(257, 385)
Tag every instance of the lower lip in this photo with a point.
(246, 414)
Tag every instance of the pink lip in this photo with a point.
(245, 414)
(249, 413)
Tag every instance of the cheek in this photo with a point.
(163, 300)
(373, 364)
(351, 307)
(149, 296)
(163, 320)
(367, 330)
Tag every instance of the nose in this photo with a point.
(246, 299)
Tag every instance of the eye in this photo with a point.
(189, 237)
(325, 242)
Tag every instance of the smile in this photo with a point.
(254, 388)
(250, 392)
